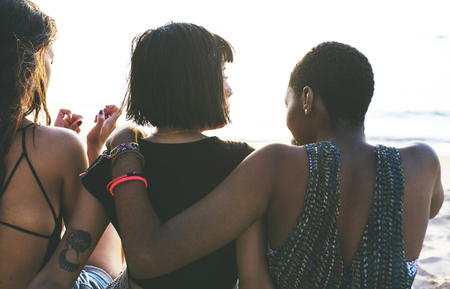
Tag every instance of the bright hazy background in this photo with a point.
(407, 43)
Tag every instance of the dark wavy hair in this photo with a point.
(176, 78)
(26, 34)
(342, 77)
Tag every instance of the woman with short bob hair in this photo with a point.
(177, 78)
(177, 84)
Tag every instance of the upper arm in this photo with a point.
(437, 197)
(423, 173)
(86, 226)
(74, 162)
(251, 250)
(153, 249)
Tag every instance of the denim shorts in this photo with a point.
(92, 278)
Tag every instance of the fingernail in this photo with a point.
(79, 122)
(101, 111)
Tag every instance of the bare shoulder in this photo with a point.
(281, 155)
(422, 173)
(60, 145)
(56, 138)
(419, 154)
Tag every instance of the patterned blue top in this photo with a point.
(310, 256)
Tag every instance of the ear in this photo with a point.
(307, 99)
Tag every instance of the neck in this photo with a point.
(175, 135)
(25, 121)
(344, 135)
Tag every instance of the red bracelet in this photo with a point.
(128, 177)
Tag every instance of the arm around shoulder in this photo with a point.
(153, 249)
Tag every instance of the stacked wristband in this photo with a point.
(123, 147)
(126, 149)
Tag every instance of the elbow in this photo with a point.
(436, 204)
(143, 265)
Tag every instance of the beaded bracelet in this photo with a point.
(124, 146)
(96, 162)
(126, 153)
(133, 176)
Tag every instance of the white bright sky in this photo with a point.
(407, 43)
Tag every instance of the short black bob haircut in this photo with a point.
(343, 78)
(176, 78)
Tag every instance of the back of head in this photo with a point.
(26, 34)
(176, 78)
(342, 77)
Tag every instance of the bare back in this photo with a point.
(358, 168)
(57, 156)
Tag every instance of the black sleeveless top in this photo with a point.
(179, 176)
(54, 238)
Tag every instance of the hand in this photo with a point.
(128, 133)
(106, 121)
(68, 120)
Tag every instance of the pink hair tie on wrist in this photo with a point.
(133, 176)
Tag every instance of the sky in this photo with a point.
(407, 43)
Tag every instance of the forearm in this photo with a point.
(251, 250)
(93, 151)
(136, 216)
(45, 282)
(82, 235)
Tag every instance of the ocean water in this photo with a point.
(407, 43)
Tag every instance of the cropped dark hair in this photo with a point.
(176, 78)
(343, 78)
(26, 35)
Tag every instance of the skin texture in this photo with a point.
(272, 181)
(48, 154)
(50, 149)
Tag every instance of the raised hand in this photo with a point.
(106, 121)
(68, 120)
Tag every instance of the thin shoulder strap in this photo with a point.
(11, 175)
(24, 153)
(24, 230)
(17, 163)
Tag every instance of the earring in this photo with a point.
(306, 111)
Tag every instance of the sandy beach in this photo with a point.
(434, 263)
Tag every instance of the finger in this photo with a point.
(100, 120)
(76, 117)
(76, 125)
(62, 112)
(114, 115)
(110, 109)
(60, 121)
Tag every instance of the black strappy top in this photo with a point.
(54, 238)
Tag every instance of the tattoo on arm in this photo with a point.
(77, 242)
